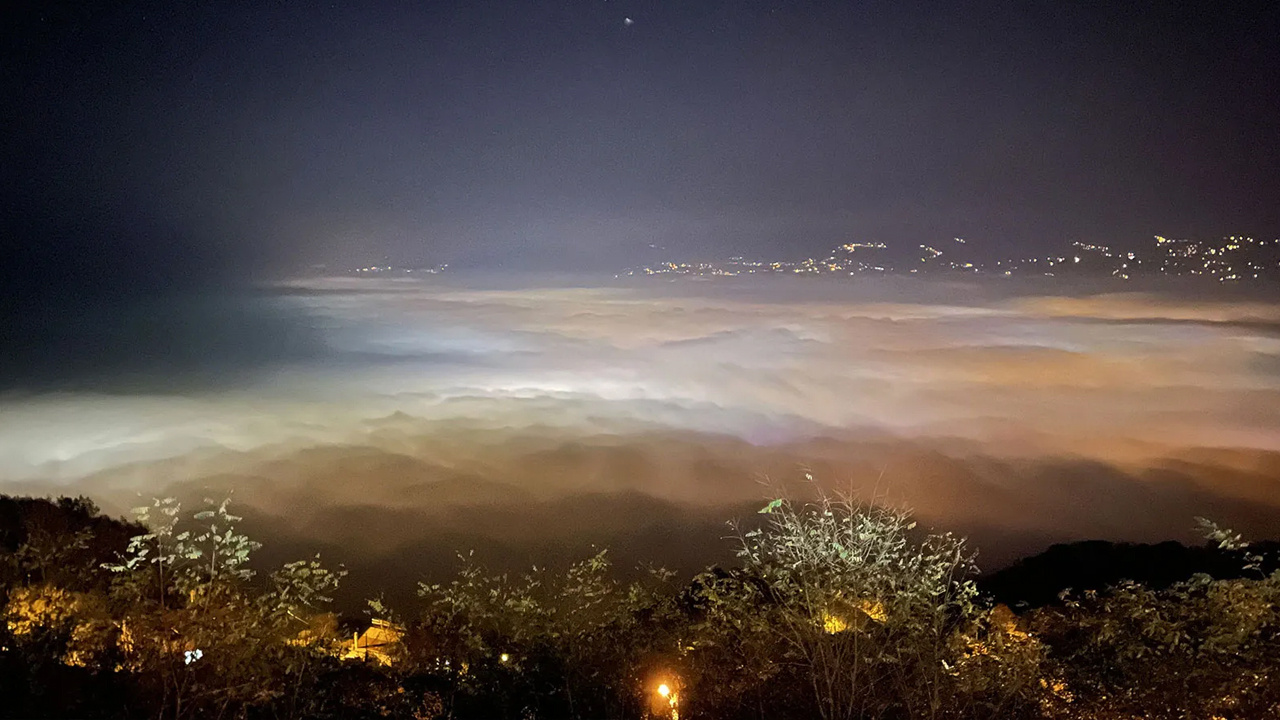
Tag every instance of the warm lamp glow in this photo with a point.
(833, 624)
(663, 690)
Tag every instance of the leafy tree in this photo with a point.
(731, 667)
(199, 633)
(835, 610)
(58, 542)
(1200, 648)
(870, 620)
(541, 644)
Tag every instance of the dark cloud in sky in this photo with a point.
(201, 140)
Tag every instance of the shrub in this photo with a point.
(846, 601)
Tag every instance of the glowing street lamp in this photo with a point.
(672, 698)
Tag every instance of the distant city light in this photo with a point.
(1166, 258)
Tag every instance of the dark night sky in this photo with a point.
(208, 138)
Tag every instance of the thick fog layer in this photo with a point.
(529, 422)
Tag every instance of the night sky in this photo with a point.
(168, 142)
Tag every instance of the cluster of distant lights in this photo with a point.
(1232, 259)
(395, 270)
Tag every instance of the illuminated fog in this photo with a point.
(431, 417)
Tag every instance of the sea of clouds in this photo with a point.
(531, 421)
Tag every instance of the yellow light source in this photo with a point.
(832, 624)
(663, 690)
(504, 657)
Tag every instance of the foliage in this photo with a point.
(871, 619)
(182, 630)
(837, 611)
(61, 542)
(1200, 648)
(834, 609)
(1231, 541)
(541, 644)
(195, 628)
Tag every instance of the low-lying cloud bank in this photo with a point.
(531, 422)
